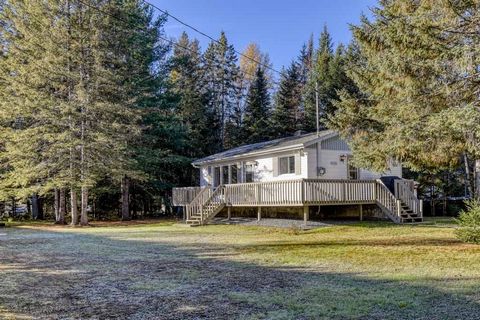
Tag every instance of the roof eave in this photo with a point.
(251, 154)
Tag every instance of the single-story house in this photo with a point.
(304, 170)
(308, 156)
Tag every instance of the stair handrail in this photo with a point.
(194, 207)
(211, 200)
(404, 193)
(386, 199)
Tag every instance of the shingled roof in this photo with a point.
(293, 142)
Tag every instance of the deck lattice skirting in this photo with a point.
(204, 203)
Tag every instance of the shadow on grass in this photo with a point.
(76, 275)
(394, 242)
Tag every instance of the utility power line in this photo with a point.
(210, 37)
(174, 43)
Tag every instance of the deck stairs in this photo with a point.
(206, 206)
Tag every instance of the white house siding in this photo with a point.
(311, 152)
(330, 160)
(329, 156)
(394, 171)
(326, 154)
(264, 168)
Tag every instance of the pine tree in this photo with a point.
(320, 79)
(287, 115)
(305, 62)
(69, 59)
(414, 65)
(257, 110)
(189, 86)
(221, 76)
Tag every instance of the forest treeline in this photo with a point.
(101, 109)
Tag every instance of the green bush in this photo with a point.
(469, 222)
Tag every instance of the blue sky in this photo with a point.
(279, 27)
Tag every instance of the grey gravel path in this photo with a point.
(268, 222)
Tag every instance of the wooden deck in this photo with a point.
(204, 203)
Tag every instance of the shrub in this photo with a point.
(469, 222)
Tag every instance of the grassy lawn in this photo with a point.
(165, 271)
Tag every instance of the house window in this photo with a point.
(216, 176)
(209, 175)
(249, 173)
(352, 171)
(234, 173)
(286, 165)
(225, 175)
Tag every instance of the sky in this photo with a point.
(279, 27)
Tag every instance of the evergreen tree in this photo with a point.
(305, 62)
(414, 65)
(188, 85)
(221, 76)
(287, 115)
(75, 64)
(257, 110)
(320, 79)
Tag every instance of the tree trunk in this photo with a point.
(37, 212)
(133, 201)
(62, 207)
(468, 176)
(84, 207)
(56, 202)
(125, 198)
(477, 179)
(74, 208)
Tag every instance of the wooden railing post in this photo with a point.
(302, 190)
(399, 208)
(258, 198)
(421, 208)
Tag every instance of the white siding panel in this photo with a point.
(312, 162)
(335, 143)
(264, 169)
(334, 168)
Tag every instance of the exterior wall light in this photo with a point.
(321, 171)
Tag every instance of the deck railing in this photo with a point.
(302, 192)
(285, 193)
(184, 196)
(198, 202)
(274, 193)
(387, 201)
(404, 192)
(305, 192)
